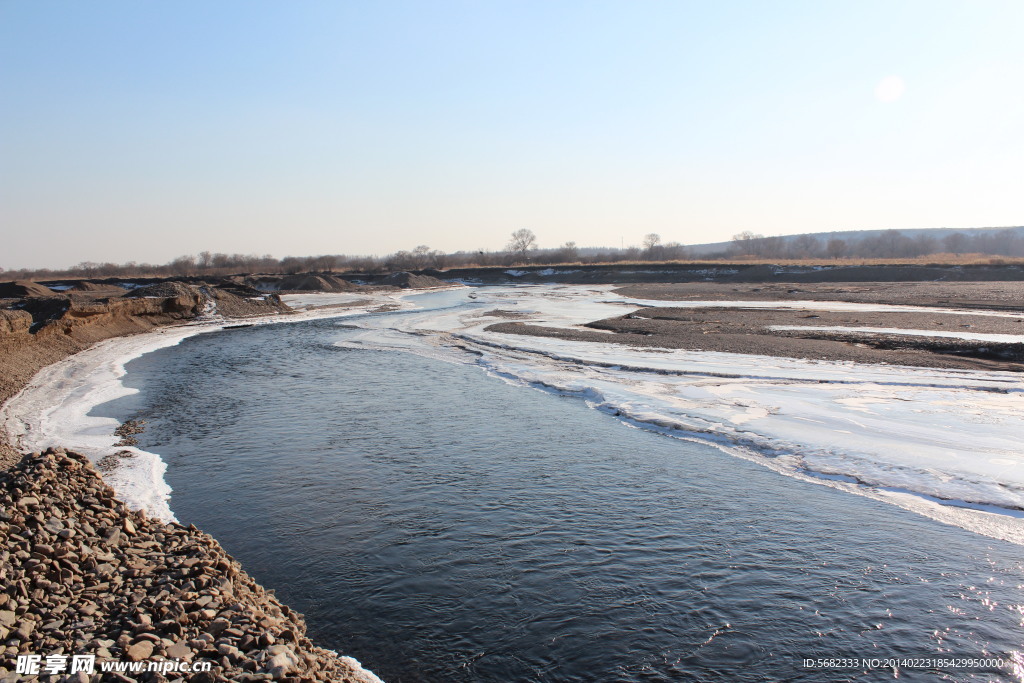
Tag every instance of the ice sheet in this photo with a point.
(944, 443)
(970, 336)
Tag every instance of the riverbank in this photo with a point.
(83, 574)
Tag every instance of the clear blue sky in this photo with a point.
(146, 130)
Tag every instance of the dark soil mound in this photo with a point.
(20, 288)
(411, 281)
(315, 283)
(761, 273)
(170, 289)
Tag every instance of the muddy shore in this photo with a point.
(749, 331)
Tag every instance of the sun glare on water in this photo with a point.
(890, 89)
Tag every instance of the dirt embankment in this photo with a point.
(82, 574)
(617, 273)
(37, 330)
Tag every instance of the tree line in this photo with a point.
(523, 249)
(888, 244)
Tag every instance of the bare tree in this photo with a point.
(569, 252)
(421, 256)
(836, 248)
(183, 265)
(523, 240)
(674, 251)
(956, 243)
(651, 240)
(746, 243)
(805, 246)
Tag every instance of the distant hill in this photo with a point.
(958, 240)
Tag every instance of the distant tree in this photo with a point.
(522, 242)
(438, 259)
(956, 243)
(746, 243)
(805, 246)
(421, 256)
(87, 268)
(836, 248)
(569, 252)
(290, 265)
(652, 247)
(1004, 243)
(924, 245)
(323, 264)
(675, 251)
(887, 244)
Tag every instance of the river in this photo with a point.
(439, 523)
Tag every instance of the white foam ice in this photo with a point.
(310, 300)
(944, 443)
(53, 410)
(810, 305)
(548, 272)
(969, 336)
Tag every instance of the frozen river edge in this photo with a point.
(937, 442)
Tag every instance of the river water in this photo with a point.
(440, 524)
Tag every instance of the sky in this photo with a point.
(141, 131)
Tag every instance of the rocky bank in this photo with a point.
(83, 574)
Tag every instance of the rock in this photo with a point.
(179, 651)
(215, 627)
(286, 660)
(112, 536)
(143, 649)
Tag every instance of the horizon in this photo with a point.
(144, 132)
